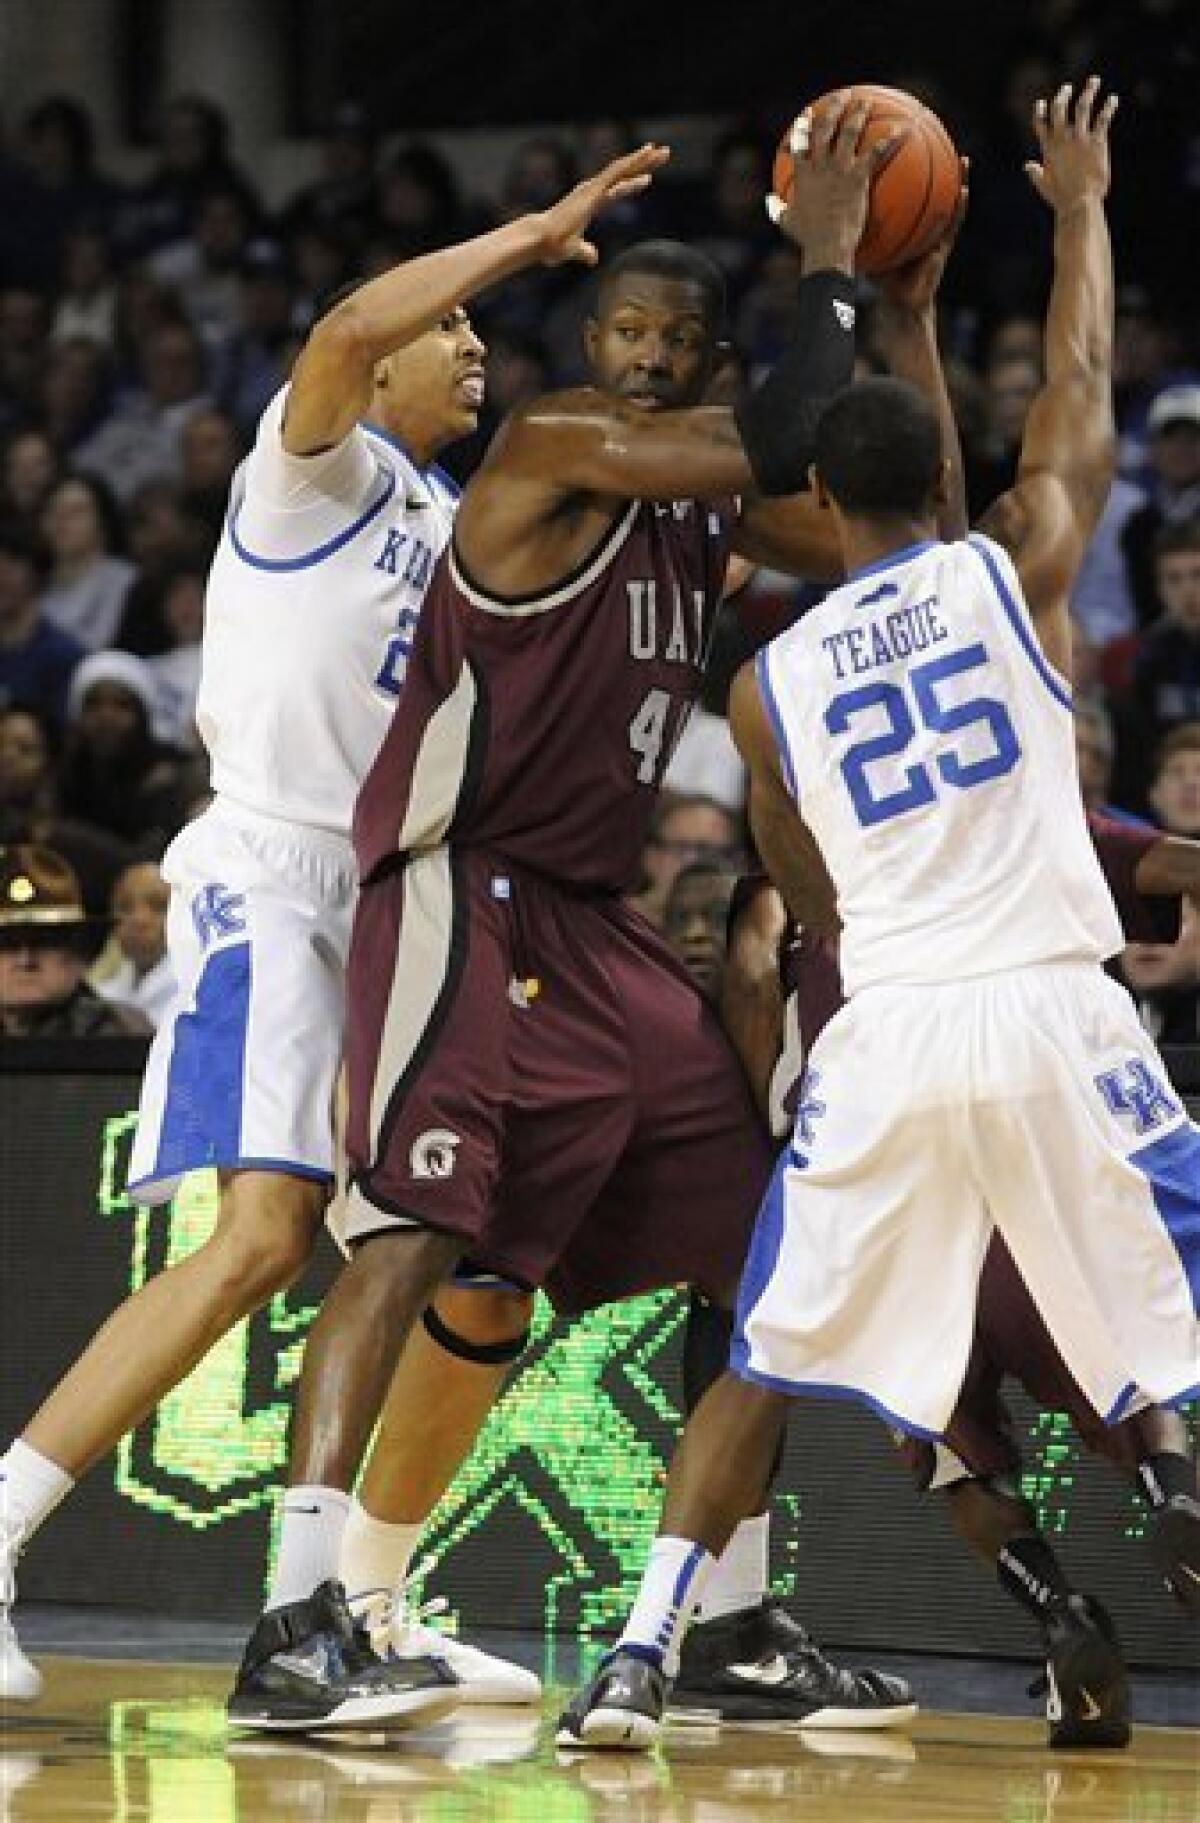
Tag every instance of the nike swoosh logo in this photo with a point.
(1188, 1571)
(764, 1670)
(1091, 1708)
(314, 1511)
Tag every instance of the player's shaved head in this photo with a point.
(671, 260)
(879, 449)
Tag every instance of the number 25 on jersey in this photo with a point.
(922, 703)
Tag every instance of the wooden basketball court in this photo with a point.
(130, 1740)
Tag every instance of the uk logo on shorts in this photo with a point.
(433, 1153)
(217, 912)
(1134, 1091)
(808, 1111)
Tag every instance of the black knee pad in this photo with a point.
(486, 1354)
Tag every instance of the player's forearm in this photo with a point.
(778, 420)
(401, 304)
(909, 344)
(752, 1014)
(1079, 317)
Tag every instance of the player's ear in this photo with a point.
(380, 376)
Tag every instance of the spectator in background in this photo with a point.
(58, 189)
(343, 201)
(1174, 792)
(1102, 604)
(319, 262)
(114, 772)
(1146, 360)
(204, 269)
(1165, 978)
(1166, 674)
(141, 440)
(254, 362)
(29, 746)
(731, 225)
(420, 206)
(163, 537)
(696, 922)
(85, 592)
(176, 672)
(195, 159)
(1095, 752)
(87, 294)
(684, 830)
(1173, 425)
(37, 661)
(142, 980)
(24, 323)
(28, 470)
(46, 944)
(211, 449)
(1010, 385)
(74, 393)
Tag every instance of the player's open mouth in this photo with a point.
(470, 388)
(647, 400)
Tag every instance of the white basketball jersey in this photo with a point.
(930, 748)
(312, 603)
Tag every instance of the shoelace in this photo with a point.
(387, 1605)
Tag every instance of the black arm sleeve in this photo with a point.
(778, 420)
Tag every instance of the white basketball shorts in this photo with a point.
(241, 1073)
(1032, 1100)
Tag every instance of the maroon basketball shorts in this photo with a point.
(1010, 1339)
(535, 1073)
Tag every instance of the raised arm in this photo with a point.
(786, 844)
(793, 534)
(1171, 866)
(1068, 449)
(331, 385)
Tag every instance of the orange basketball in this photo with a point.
(916, 191)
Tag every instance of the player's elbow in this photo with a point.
(341, 338)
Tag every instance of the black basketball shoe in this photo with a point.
(622, 1706)
(1175, 1541)
(307, 1668)
(1085, 1683)
(759, 1665)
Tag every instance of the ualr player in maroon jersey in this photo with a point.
(534, 1082)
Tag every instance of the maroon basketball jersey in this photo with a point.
(540, 728)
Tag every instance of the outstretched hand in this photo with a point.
(561, 227)
(1073, 141)
(914, 287)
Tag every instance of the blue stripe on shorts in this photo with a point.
(1171, 1167)
(202, 1111)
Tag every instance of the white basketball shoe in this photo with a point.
(20, 1679)
(398, 1630)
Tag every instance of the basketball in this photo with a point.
(913, 195)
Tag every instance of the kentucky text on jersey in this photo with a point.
(882, 642)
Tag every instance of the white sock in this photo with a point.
(674, 1578)
(375, 1553)
(740, 1578)
(31, 1486)
(310, 1542)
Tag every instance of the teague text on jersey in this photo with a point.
(885, 641)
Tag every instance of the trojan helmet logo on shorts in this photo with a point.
(432, 1153)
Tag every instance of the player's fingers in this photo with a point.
(800, 135)
(1041, 118)
(825, 125)
(1105, 116)
(628, 186)
(1037, 177)
(1085, 106)
(878, 154)
(964, 197)
(582, 253)
(850, 134)
(643, 163)
(1059, 107)
(775, 207)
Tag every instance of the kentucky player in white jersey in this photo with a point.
(913, 778)
(335, 522)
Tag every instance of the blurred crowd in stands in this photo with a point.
(144, 327)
